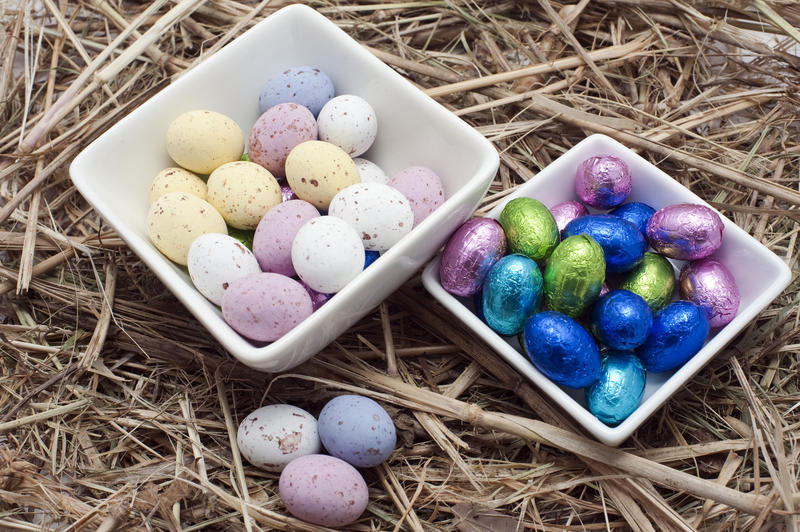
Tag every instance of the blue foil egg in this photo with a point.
(678, 333)
(512, 292)
(618, 391)
(561, 349)
(623, 244)
(370, 256)
(636, 212)
(621, 320)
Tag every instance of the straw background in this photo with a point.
(117, 410)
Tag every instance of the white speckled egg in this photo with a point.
(202, 140)
(370, 172)
(327, 254)
(176, 179)
(317, 170)
(215, 261)
(378, 212)
(422, 187)
(176, 219)
(274, 435)
(350, 122)
(243, 192)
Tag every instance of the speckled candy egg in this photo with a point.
(678, 333)
(274, 435)
(215, 261)
(378, 212)
(566, 211)
(276, 132)
(623, 244)
(603, 181)
(574, 275)
(469, 254)
(265, 306)
(323, 490)
(203, 140)
(621, 320)
(243, 192)
(685, 231)
(511, 293)
(176, 179)
(349, 122)
(272, 242)
(618, 391)
(370, 172)
(422, 187)
(327, 254)
(530, 228)
(176, 219)
(317, 170)
(305, 85)
(635, 212)
(708, 283)
(357, 429)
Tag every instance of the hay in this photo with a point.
(118, 411)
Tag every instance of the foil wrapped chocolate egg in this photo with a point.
(685, 231)
(574, 275)
(621, 320)
(653, 279)
(511, 293)
(635, 212)
(561, 349)
(566, 211)
(678, 333)
(469, 254)
(623, 244)
(708, 283)
(603, 181)
(618, 391)
(530, 228)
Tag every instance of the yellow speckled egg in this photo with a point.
(176, 219)
(203, 140)
(177, 179)
(317, 170)
(243, 192)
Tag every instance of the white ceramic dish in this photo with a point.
(760, 275)
(114, 173)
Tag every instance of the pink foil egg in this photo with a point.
(469, 254)
(566, 211)
(276, 132)
(685, 231)
(603, 181)
(423, 189)
(709, 284)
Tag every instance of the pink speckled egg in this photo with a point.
(348, 121)
(276, 132)
(423, 189)
(265, 306)
(272, 242)
(323, 490)
(274, 435)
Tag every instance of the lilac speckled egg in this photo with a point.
(709, 284)
(265, 306)
(349, 122)
(469, 254)
(357, 429)
(215, 261)
(685, 231)
(276, 132)
(274, 435)
(370, 172)
(272, 242)
(327, 253)
(323, 490)
(566, 211)
(305, 85)
(603, 181)
(422, 187)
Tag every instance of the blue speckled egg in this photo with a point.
(304, 85)
(357, 430)
(623, 244)
(678, 333)
(635, 212)
(370, 256)
(561, 349)
(619, 390)
(512, 292)
(621, 320)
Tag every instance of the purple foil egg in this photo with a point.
(709, 284)
(603, 181)
(286, 191)
(685, 231)
(566, 211)
(317, 298)
(469, 254)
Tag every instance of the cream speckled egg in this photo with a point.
(203, 140)
(378, 212)
(317, 170)
(176, 219)
(327, 254)
(350, 122)
(274, 435)
(370, 172)
(215, 261)
(175, 179)
(243, 192)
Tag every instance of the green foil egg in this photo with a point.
(574, 275)
(530, 228)
(653, 279)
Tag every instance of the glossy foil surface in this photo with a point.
(469, 254)
(653, 279)
(511, 293)
(708, 283)
(623, 244)
(618, 391)
(621, 320)
(678, 332)
(603, 181)
(574, 275)
(566, 211)
(635, 212)
(530, 228)
(685, 231)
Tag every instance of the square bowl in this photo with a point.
(741, 253)
(114, 172)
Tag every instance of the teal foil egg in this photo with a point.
(512, 292)
(574, 275)
(622, 242)
(678, 333)
(621, 320)
(618, 391)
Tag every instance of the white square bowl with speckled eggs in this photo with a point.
(114, 173)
